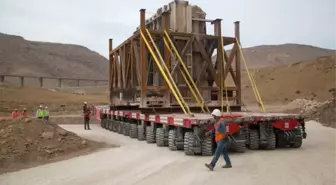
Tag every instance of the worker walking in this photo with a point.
(39, 112)
(24, 113)
(15, 114)
(46, 114)
(87, 119)
(221, 138)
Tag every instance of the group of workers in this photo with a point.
(16, 114)
(41, 113)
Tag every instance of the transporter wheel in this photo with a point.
(114, 126)
(141, 133)
(280, 139)
(134, 131)
(111, 125)
(254, 139)
(150, 134)
(188, 143)
(102, 123)
(207, 146)
(172, 140)
(121, 127)
(126, 130)
(271, 142)
(159, 137)
(298, 138)
(239, 145)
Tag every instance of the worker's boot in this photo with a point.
(209, 166)
(227, 166)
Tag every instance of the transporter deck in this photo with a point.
(182, 120)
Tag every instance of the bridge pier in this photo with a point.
(77, 83)
(41, 81)
(21, 81)
(60, 82)
(2, 78)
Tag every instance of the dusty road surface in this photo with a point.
(145, 164)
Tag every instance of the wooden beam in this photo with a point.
(205, 56)
(182, 54)
(205, 63)
(137, 61)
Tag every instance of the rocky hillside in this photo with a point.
(276, 55)
(23, 57)
(312, 79)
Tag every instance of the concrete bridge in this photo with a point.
(60, 81)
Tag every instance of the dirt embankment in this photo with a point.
(29, 142)
(323, 112)
(12, 97)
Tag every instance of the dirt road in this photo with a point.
(144, 164)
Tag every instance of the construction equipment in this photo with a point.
(164, 82)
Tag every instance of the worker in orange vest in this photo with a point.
(24, 113)
(15, 114)
(221, 137)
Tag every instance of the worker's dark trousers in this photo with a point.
(86, 124)
(221, 149)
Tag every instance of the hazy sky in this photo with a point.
(92, 22)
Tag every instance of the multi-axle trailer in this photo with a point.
(178, 132)
(166, 72)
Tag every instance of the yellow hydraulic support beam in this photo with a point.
(163, 73)
(199, 99)
(254, 86)
(169, 75)
(185, 77)
(222, 76)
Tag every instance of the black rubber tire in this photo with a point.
(134, 131)
(188, 143)
(114, 126)
(126, 131)
(121, 127)
(141, 133)
(150, 134)
(110, 125)
(102, 123)
(271, 141)
(254, 139)
(159, 137)
(280, 139)
(239, 146)
(298, 138)
(207, 146)
(172, 140)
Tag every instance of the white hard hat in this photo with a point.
(46, 107)
(85, 102)
(41, 106)
(216, 112)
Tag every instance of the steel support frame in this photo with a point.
(129, 66)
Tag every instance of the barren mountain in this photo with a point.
(22, 57)
(312, 80)
(276, 55)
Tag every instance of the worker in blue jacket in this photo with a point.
(221, 140)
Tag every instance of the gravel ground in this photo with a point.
(141, 163)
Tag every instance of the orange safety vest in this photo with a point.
(218, 136)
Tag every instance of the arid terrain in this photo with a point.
(290, 77)
(21, 57)
(29, 142)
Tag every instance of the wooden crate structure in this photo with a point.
(135, 80)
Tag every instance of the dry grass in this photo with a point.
(12, 97)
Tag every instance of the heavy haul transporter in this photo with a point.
(164, 82)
